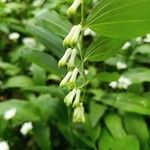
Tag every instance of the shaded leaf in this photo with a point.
(103, 48)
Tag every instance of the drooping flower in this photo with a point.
(69, 98)
(64, 59)
(78, 114)
(67, 39)
(9, 114)
(77, 98)
(66, 79)
(26, 127)
(75, 36)
(73, 8)
(72, 38)
(73, 77)
(71, 62)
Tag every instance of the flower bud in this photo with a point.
(73, 77)
(78, 114)
(77, 98)
(67, 39)
(73, 8)
(69, 98)
(71, 62)
(64, 59)
(66, 79)
(75, 36)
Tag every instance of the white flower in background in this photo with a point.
(9, 114)
(113, 84)
(126, 45)
(124, 83)
(37, 3)
(73, 8)
(88, 31)
(28, 41)
(78, 114)
(147, 39)
(26, 127)
(120, 65)
(14, 36)
(4, 145)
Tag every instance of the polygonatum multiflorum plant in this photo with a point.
(115, 19)
(89, 55)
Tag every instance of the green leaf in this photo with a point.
(53, 22)
(107, 76)
(107, 142)
(24, 111)
(114, 124)
(43, 60)
(9, 68)
(120, 18)
(49, 39)
(42, 136)
(129, 102)
(138, 75)
(96, 112)
(39, 75)
(103, 48)
(18, 82)
(137, 126)
(53, 90)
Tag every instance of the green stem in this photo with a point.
(82, 46)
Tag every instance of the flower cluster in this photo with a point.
(72, 42)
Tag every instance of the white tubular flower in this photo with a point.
(74, 76)
(26, 127)
(4, 145)
(77, 98)
(71, 62)
(69, 98)
(66, 79)
(14, 36)
(64, 59)
(121, 65)
(75, 36)
(78, 114)
(113, 84)
(67, 39)
(73, 8)
(9, 114)
(124, 83)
